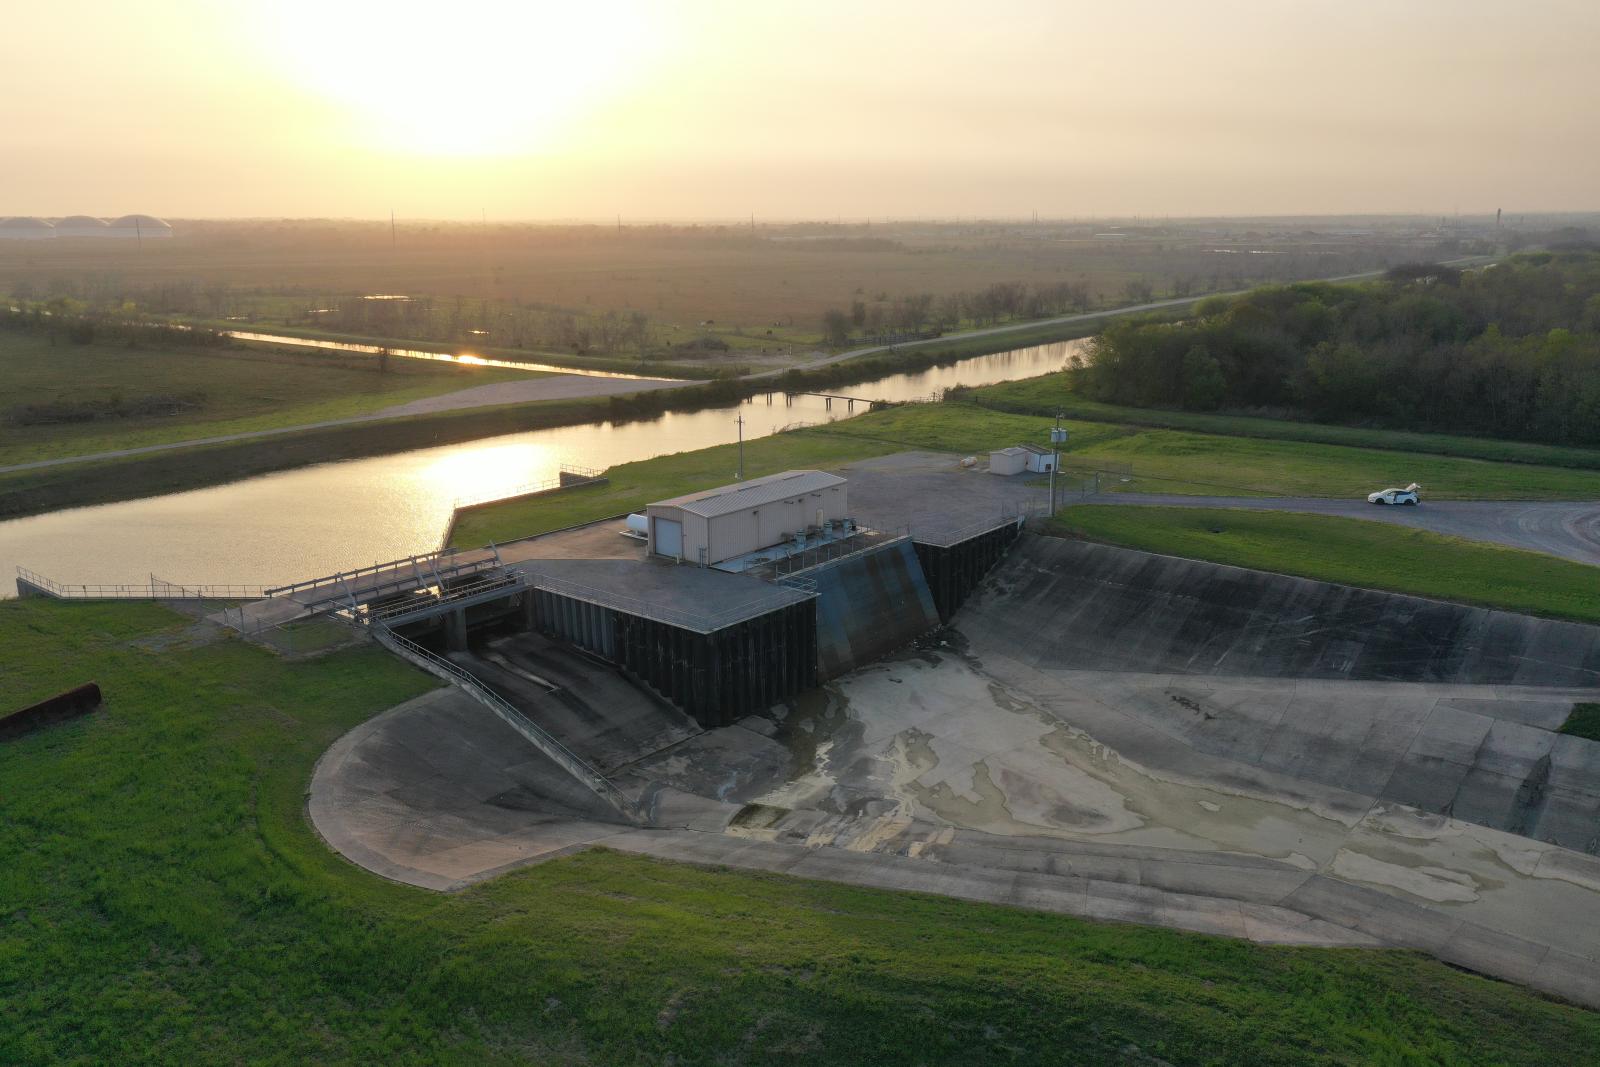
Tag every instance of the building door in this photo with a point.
(667, 538)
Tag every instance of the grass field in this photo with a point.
(1583, 722)
(1049, 393)
(1351, 552)
(227, 390)
(1162, 460)
(163, 899)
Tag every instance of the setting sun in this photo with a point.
(494, 78)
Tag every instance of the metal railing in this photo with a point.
(864, 538)
(699, 622)
(558, 753)
(417, 572)
(419, 607)
(154, 589)
(577, 476)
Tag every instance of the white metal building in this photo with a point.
(1039, 459)
(717, 524)
(1011, 460)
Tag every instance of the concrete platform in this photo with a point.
(684, 595)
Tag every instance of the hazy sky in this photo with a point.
(653, 108)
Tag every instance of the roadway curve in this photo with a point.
(1569, 529)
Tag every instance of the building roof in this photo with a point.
(1038, 450)
(1012, 451)
(726, 499)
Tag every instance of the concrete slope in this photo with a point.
(1569, 529)
(1073, 605)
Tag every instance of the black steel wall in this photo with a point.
(954, 571)
(717, 677)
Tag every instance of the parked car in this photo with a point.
(1408, 495)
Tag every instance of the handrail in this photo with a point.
(154, 589)
(429, 560)
(387, 613)
(514, 718)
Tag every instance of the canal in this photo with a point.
(336, 516)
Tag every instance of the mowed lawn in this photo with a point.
(164, 900)
(222, 390)
(1050, 393)
(1172, 461)
(1376, 555)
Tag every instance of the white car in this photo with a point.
(1408, 495)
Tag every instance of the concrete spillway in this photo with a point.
(1071, 605)
(1313, 681)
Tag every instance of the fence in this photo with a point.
(154, 589)
(512, 717)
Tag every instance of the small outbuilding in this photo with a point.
(718, 524)
(1039, 459)
(1008, 461)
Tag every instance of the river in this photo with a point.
(277, 528)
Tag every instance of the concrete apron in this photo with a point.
(938, 775)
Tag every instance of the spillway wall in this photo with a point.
(868, 605)
(1073, 605)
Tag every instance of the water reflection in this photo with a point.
(335, 516)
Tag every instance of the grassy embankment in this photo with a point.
(163, 899)
(215, 391)
(1163, 461)
(1350, 552)
(1049, 393)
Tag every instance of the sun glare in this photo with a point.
(480, 77)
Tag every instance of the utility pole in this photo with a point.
(1058, 437)
(740, 421)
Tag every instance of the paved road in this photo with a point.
(1569, 529)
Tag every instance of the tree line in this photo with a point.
(1511, 351)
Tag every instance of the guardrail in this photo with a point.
(461, 595)
(428, 568)
(558, 753)
(154, 589)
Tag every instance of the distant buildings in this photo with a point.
(138, 227)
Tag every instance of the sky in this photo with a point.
(686, 109)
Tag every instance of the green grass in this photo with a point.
(1356, 552)
(1163, 461)
(1583, 722)
(164, 900)
(244, 389)
(1197, 464)
(1049, 393)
